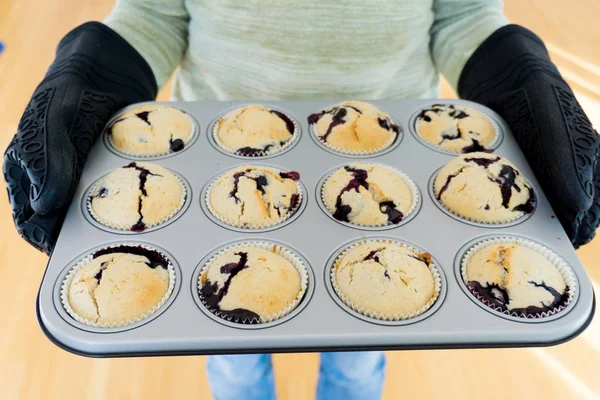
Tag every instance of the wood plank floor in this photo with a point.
(33, 368)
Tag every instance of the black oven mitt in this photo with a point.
(512, 74)
(95, 73)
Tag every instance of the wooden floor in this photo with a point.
(33, 368)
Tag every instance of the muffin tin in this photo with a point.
(321, 322)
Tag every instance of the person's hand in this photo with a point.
(512, 74)
(95, 73)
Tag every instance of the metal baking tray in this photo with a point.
(321, 323)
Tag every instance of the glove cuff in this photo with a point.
(105, 61)
(503, 62)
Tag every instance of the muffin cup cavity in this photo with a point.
(489, 148)
(64, 289)
(437, 282)
(517, 219)
(262, 226)
(127, 228)
(139, 156)
(263, 153)
(284, 252)
(560, 264)
(410, 214)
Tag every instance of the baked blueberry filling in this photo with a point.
(506, 180)
(359, 179)
(500, 298)
(448, 180)
(176, 145)
(288, 122)
(528, 206)
(139, 226)
(474, 146)
(388, 125)
(424, 258)
(144, 116)
(389, 208)
(373, 255)
(101, 193)
(337, 119)
(261, 182)
(236, 181)
(435, 108)
(293, 175)
(483, 162)
(314, 118)
(155, 259)
(251, 151)
(294, 201)
(98, 276)
(458, 114)
(212, 294)
(446, 136)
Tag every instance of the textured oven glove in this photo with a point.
(95, 73)
(512, 74)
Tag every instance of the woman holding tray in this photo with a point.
(298, 50)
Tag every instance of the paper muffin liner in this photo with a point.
(412, 186)
(275, 248)
(123, 227)
(385, 146)
(516, 217)
(490, 147)
(268, 224)
(437, 286)
(64, 290)
(113, 146)
(273, 150)
(560, 264)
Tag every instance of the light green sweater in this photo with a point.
(306, 49)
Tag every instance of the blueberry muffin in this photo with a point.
(455, 128)
(484, 187)
(151, 130)
(136, 196)
(254, 130)
(385, 278)
(251, 197)
(354, 126)
(367, 194)
(250, 284)
(119, 285)
(515, 278)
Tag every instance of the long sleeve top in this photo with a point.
(310, 49)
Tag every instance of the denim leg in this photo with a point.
(351, 375)
(244, 376)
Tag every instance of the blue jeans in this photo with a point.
(344, 376)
